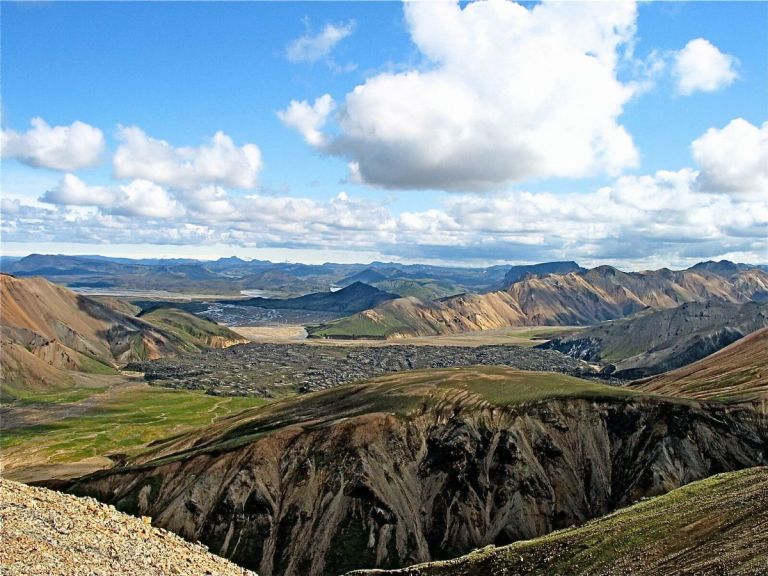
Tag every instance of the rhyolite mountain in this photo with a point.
(655, 341)
(517, 273)
(421, 466)
(577, 298)
(48, 331)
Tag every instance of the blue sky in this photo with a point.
(502, 191)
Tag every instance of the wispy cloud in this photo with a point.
(315, 47)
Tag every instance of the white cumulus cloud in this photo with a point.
(72, 147)
(137, 198)
(505, 93)
(717, 208)
(308, 119)
(700, 66)
(219, 162)
(314, 47)
(734, 159)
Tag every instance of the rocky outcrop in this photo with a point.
(46, 533)
(296, 495)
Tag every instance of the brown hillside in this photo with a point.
(739, 371)
(48, 330)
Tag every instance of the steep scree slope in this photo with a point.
(45, 533)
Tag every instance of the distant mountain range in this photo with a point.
(583, 298)
(231, 275)
(228, 276)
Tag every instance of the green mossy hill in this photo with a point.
(192, 330)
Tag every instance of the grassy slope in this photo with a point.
(737, 372)
(193, 331)
(714, 526)
(401, 394)
(401, 316)
(358, 326)
(124, 420)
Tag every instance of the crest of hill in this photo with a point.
(48, 330)
(724, 268)
(575, 299)
(367, 276)
(737, 372)
(517, 273)
(655, 341)
(396, 281)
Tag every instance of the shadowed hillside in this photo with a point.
(655, 341)
(714, 526)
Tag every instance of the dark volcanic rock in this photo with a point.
(268, 369)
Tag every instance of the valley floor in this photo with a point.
(518, 335)
(103, 420)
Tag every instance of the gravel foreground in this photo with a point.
(46, 533)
